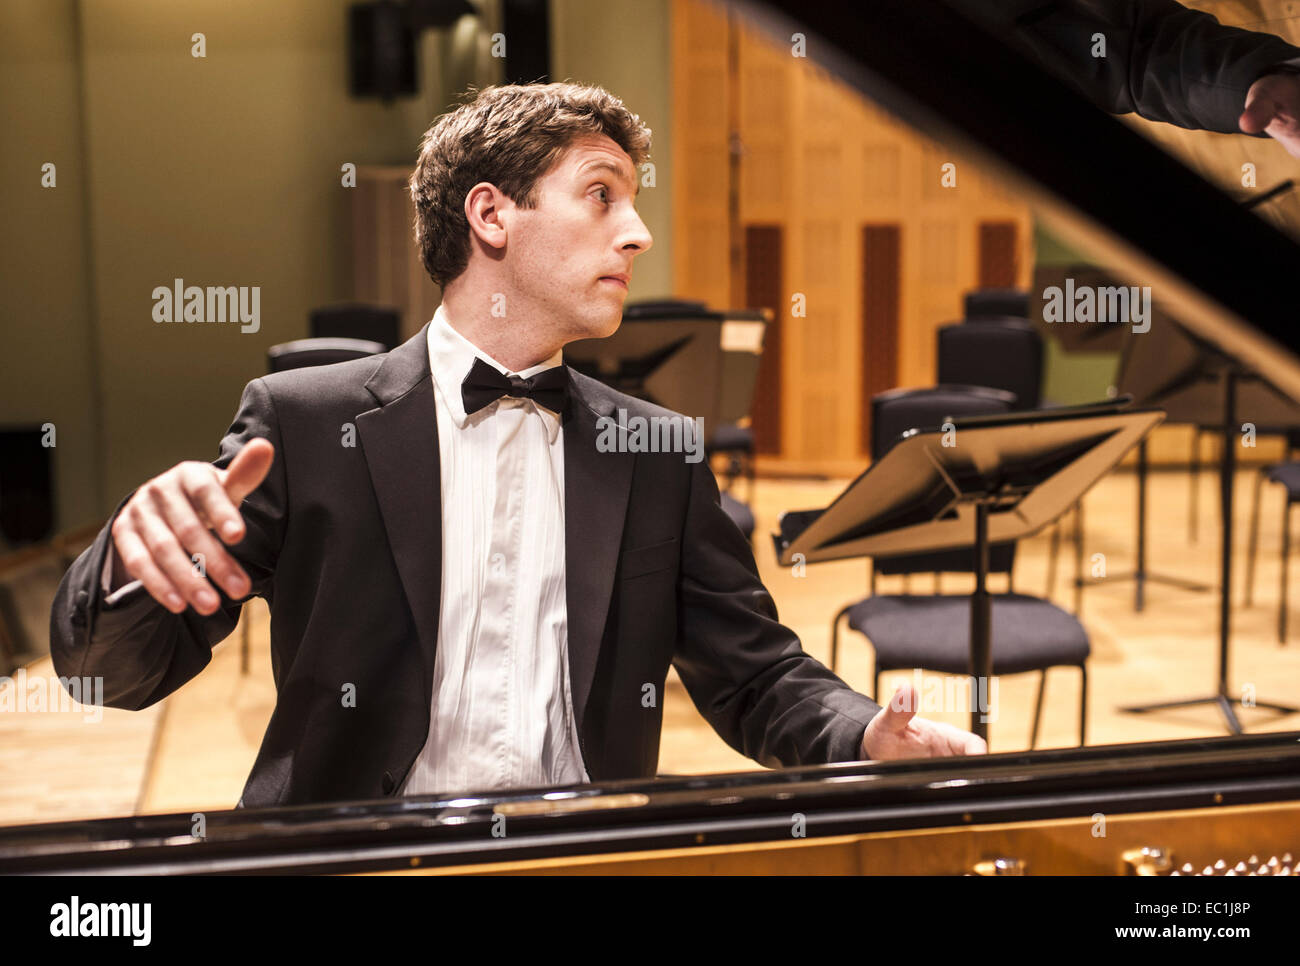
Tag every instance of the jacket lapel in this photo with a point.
(400, 441)
(596, 487)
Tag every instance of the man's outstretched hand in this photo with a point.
(171, 518)
(1273, 106)
(897, 733)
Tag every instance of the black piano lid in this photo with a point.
(841, 799)
(1230, 274)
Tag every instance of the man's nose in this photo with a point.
(638, 236)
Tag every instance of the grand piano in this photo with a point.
(1179, 807)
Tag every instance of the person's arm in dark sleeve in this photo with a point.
(1162, 60)
(143, 651)
(746, 672)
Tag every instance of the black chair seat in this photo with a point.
(729, 438)
(933, 632)
(741, 515)
(1288, 474)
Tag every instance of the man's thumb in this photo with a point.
(247, 470)
(1257, 114)
(901, 708)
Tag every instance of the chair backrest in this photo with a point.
(374, 323)
(898, 410)
(985, 303)
(1005, 354)
(318, 352)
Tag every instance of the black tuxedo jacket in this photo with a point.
(344, 543)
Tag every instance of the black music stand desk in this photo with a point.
(986, 479)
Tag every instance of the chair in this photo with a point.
(302, 353)
(996, 303)
(737, 444)
(1001, 353)
(1288, 475)
(741, 515)
(373, 323)
(932, 631)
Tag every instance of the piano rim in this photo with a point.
(639, 815)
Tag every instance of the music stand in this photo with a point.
(1003, 477)
(681, 356)
(1203, 383)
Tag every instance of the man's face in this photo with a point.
(568, 253)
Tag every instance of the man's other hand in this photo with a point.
(1273, 106)
(896, 732)
(171, 518)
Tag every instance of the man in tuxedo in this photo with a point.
(466, 591)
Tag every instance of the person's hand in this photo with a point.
(896, 732)
(170, 518)
(1273, 106)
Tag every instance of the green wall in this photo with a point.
(221, 170)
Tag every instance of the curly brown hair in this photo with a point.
(510, 136)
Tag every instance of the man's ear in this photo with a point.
(484, 205)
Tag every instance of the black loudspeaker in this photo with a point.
(528, 41)
(381, 50)
(26, 486)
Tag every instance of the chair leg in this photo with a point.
(1083, 705)
(1286, 554)
(1253, 552)
(1078, 559)
(1038, 709)
(835, 636)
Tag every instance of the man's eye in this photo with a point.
(604, 192)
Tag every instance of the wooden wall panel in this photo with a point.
(820, 168)
(997, 254)
(764, 259)
(882, 274)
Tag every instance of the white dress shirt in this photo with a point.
(502, 713)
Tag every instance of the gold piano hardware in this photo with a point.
(1146, 861)
(1157, 861)
(1000, 866)
(561, 806)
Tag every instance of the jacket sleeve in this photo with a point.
(143, 651)
(747, 673)
(1162, 60)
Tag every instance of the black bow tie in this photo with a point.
(485, 384)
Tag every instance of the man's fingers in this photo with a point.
(247, 470)
(173, 561)
(195, 539)
(211, 501)
(139, 565)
